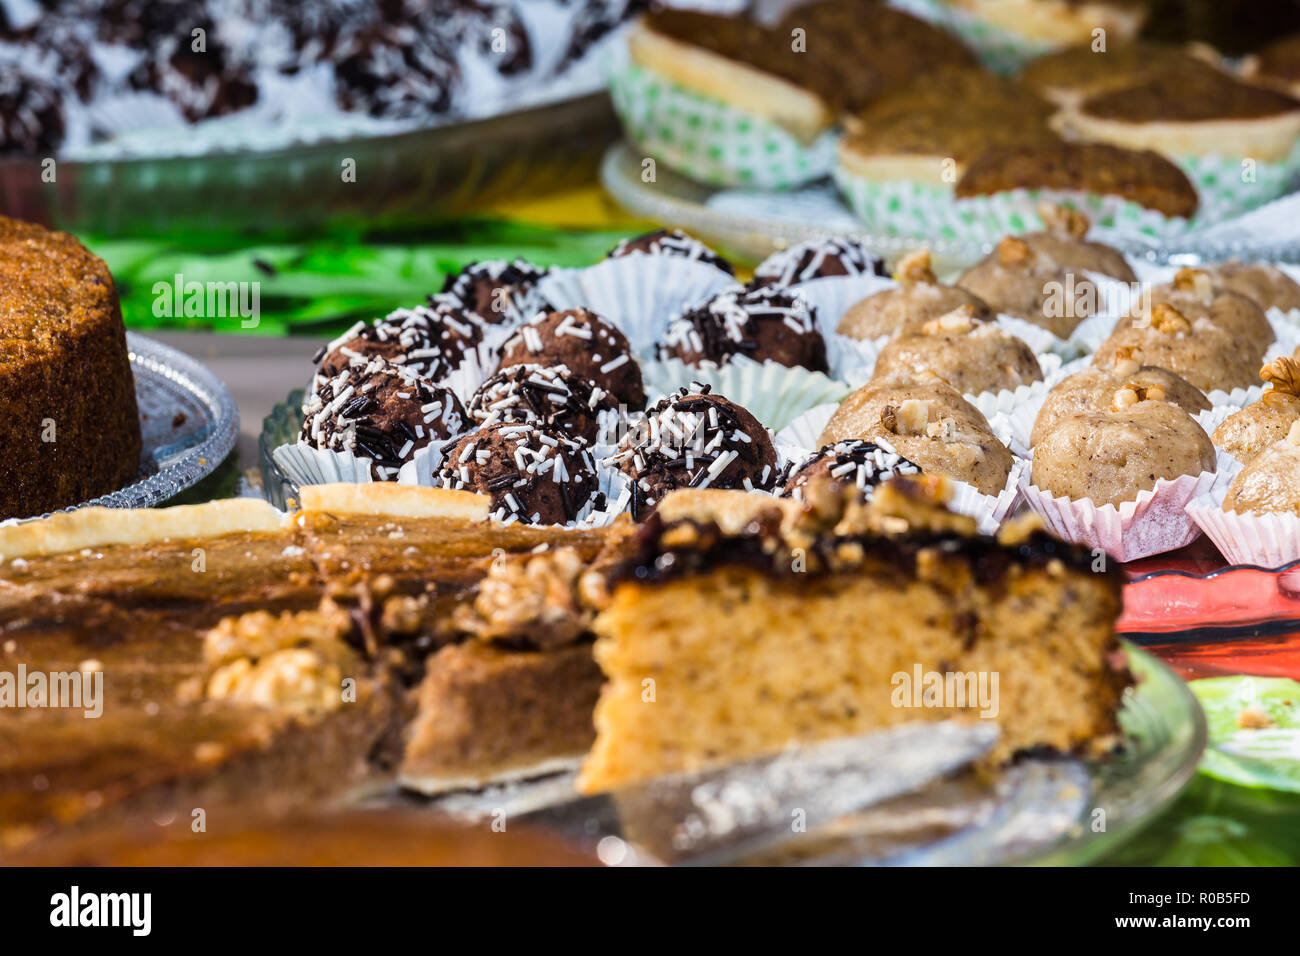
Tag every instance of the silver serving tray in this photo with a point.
(188, 420)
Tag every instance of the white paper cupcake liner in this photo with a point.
(1011, 414)
(1154, 522)
(1039, 339)
(803, 431)
(477, 365)
(711, 141)
(307, 465)
(774, 394)
(637, 293)
(1266, 540)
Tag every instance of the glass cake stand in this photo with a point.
(1039, 811)
(188, 420)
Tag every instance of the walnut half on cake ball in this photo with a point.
(1246, 433)
(1111, 455)
(929, 424)
(1199, 351)
(1192, 293)
(920, 297)
(1092, 389)
(1271, 482)
(971, 356)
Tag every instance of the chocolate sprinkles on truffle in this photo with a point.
(855, 462)
(532, 474)
(380, 411)
(818, 259)
(550, 396)
(763, 323)
(694, 439)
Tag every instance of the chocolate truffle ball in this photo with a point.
(396, 71)
(550, 396)
(31, 115)
(764, 323)
(498, 291)
(380, 411)
(532, 475)
(818, 259)
(670, 242)
(694, 439)
(588, 345)
(863, 464)
(213, 81)
(430, 341)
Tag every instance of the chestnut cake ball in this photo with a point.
(818, 259)
(586, 344)
(670, 242)
(550, 396)
(380, 411)
(1111, 454)
(694, 439)
(863, 464)
(429, 340)
(498, 291)
(532, 475)
(971, 356)
(763, 323)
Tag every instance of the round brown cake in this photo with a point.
(69, 425)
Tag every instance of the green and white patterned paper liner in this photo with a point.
(711, 141)
(913, 209)
(1000, 50)
(800, 439)
(638, 294)
(773, 393)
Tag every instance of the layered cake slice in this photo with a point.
(746, 625)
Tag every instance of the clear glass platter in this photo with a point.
(401, 180)
(188, 419)
(1039, 811)
(756, 224)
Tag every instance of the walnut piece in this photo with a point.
(1132, 393)
(1014, 252)
(1128, 361)
(293, 661)
(960, 320)
(1064, 220)
(1283, 373)
(910, 418)
(1165, 318)
(535, 601)
(1196, 283)
(915, 268)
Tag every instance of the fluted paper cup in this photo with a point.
(1155, 521)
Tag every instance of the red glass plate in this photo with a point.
(1206, 617)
